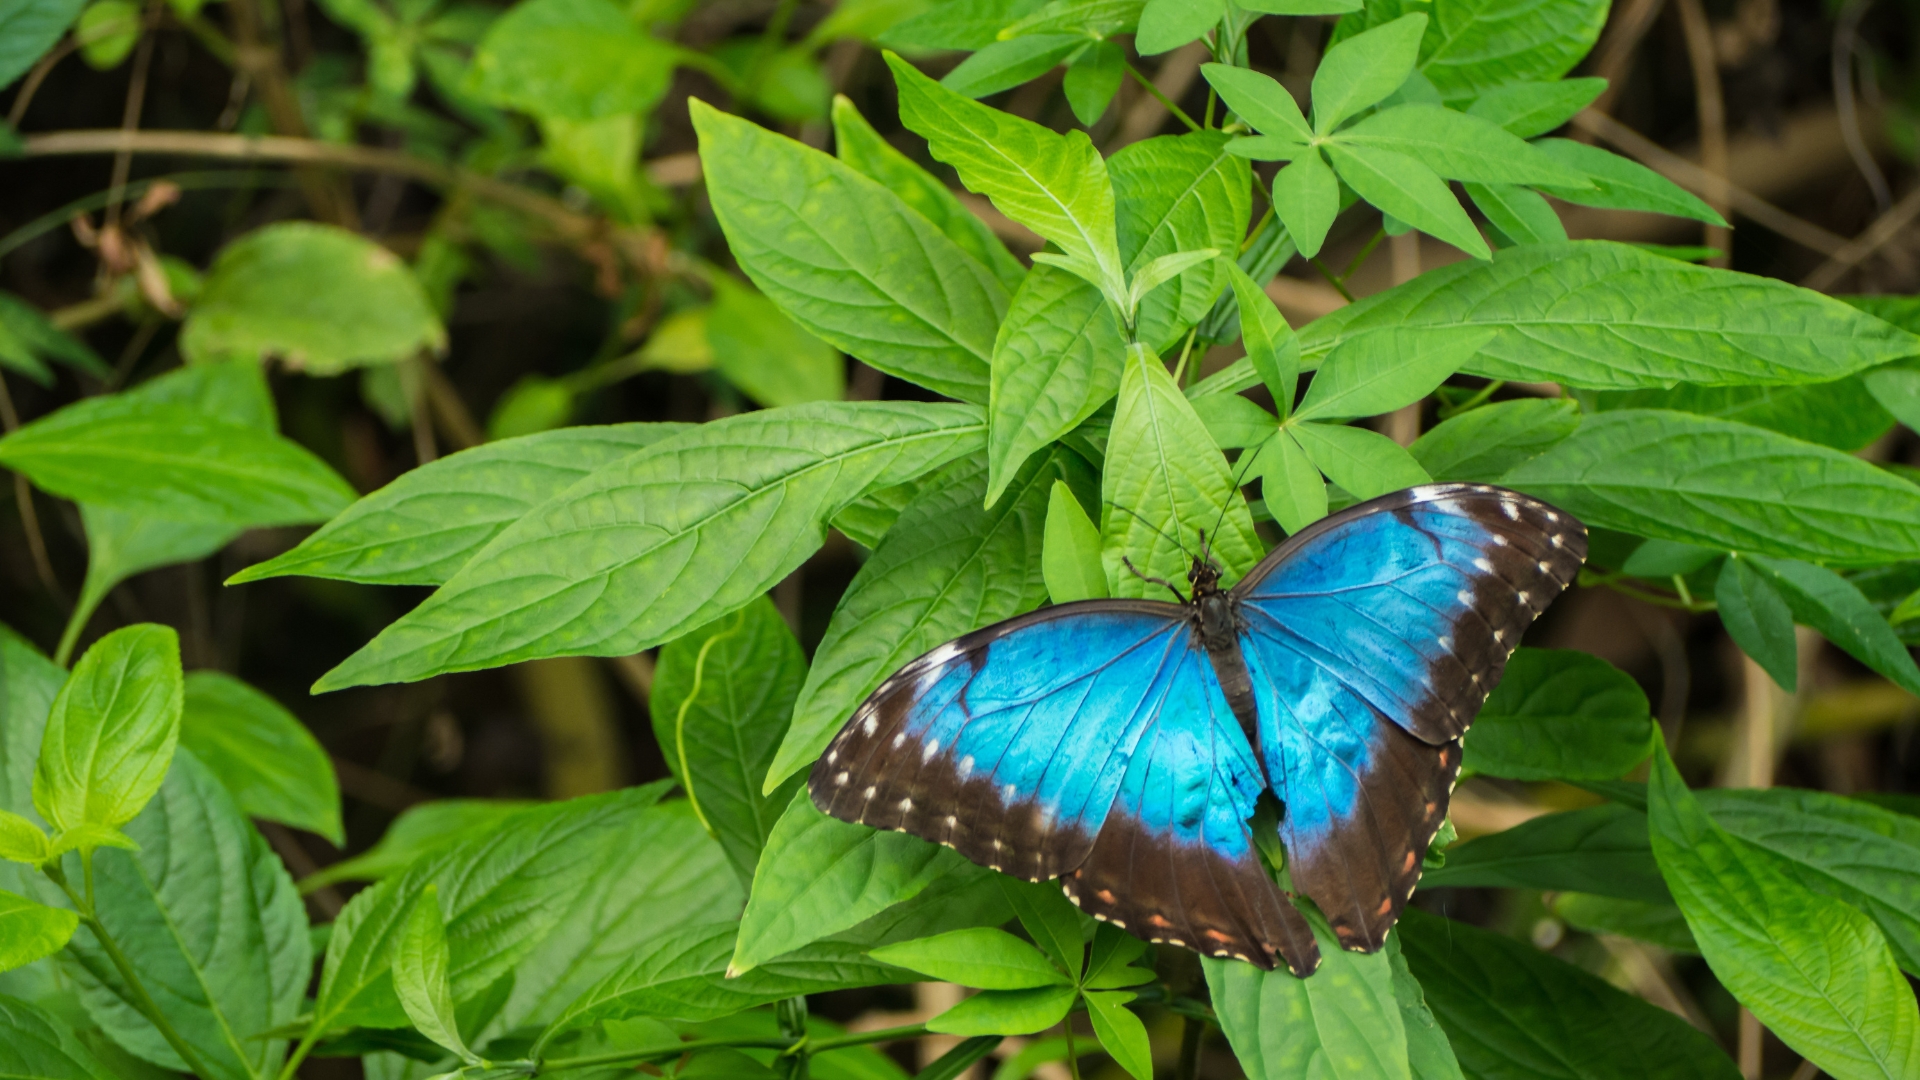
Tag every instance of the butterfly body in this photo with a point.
(1120, 745)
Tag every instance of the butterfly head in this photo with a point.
(1204, 574)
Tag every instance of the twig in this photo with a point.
(1696, 179)
(23, 497)
(1615, 54)
(1712, 110)
(1846, 31)
(1856, 251)
(260, 59)
(1327, 272)
(450, 412)
(414, 378)
(1159, 96)
(38, 75)
(130, 115)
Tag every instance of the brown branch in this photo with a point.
(1615, 54)
(1698, 180)
(328, 198)
(1712, 109)
(23, 497)
(1856, 250)
(130, 115)
(37, 76)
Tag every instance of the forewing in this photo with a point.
(1373, 638)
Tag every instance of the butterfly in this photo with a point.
(1121, 746)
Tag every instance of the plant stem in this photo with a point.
(142, 1001)
(1164, 99)
(1180, 369)
(1190, 1036)
(300, 1052)
(1073, 1059)
(1378, 236)
(1258, 228)
(1338, 285)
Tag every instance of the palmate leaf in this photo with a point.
(1528, 109)
(1473, 46)
(947, 567)
(1407, 189)
(1359, 72)
(1459, 146)
(983, 957)
(1815, 971)
(655, 544)
(1520, 213)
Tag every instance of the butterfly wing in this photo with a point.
(1089, 741)
(1373, 638)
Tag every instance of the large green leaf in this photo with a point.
(947, 566)
(1483, 445)
(1841, 414)
(417, 830)
(847, 259)
(1815, 971)
(861, 147)
(35, 1046)
(31, 931)
(668, 874)
(1472, 46)
(496, 890)
(722, 698)
(1406, 188)
(1179, 193)
(112, 730)
(422, 527)
(1459, 146)
(1382, 372)
(1758, 619)
(1163, 485)
(1616, 183)
(271, 763)
(318, 296)
(571, 60)
(1342, 1022)
(764, 353)
(1056, 185)
(1605, 316)
(1429, 1053)
(1514, 1012)
(1596, 849)
(1831, 604)
(207, 915)
(28, 28)
(650, 546)
(1056, 361)
(820, 875)
(1560, 714)
(1719, 484)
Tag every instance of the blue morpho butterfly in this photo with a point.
(1121, 745)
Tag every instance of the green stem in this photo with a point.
(1212, 97)
(1155, 91)
(1478, 399)
(1258, 228)
(1180, 369)
(300, 1052)
(1339, 285)
(1073, 1058)
(83, 610)
(142, 1002)
(1190, 1036)
(673, 1050)
(1378, 236)
(1590, 578)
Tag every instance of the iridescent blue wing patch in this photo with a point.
(1089, 742)
(1373, 637)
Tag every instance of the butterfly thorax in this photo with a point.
(1218, 623)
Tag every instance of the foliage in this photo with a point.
(1704, 423)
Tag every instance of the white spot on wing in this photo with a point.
(1465, 598)
(1483, 565)
(966, 766)
(1444, 642)
(899, 740)
(870, 725)
(840, 779)
(870, 791)
(906, 805)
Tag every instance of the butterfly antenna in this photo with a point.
(1164, 535)
(1163, 582)
(1239, 479)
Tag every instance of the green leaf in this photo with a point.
(1521, 214)
(271, 763)
(650, 546)
(1831, 604)
(1070, 550)
(1841, 414)
(121, 544)
(1898, 391)
(849, 260)
(21, 840)
(1620, 184)
(420, 963)
(959, 24)
(1179, 193)
(682, 975)
(30, 931)
(1056, 361)
(1306, 198)
(1054, 184)
(33, 335)
(948, 566)
(1290, 485)
(1366, 376)
(417, 830)
(1120, 1032)
(496, 889)
(205, 912)
(1272, 348)
(425, 525)
(1595, 849)
(1473, 46)
(28, 28)
(1163, 470)
(1811, 968)
(322, 298)
(1459, 146)
(1560, 714)
(571, 60)
(1410, 191)
(1717, 484)
(1234, 422)
(1484, 444)
(1364, 462)
(1093, 79)
(765, 354)
(133, 453)
(1343, 1021)
(1360, 71)
(1513, 1011)
(1528, 109)
(33, 1044)
(1429, 1054)
(819, 876)
(1006, 64)
(722, 698)
(1655, 923)
(1097, 19)
(862, 148)
(868, 518)
(111, 732)
(982, 956)
(1006, 1012)
(1758, 620)
(1662, 559)
(1259, 100)
(1169, 24)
